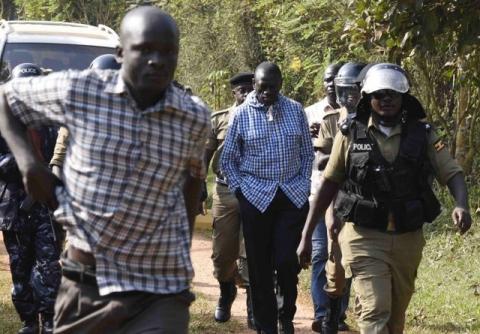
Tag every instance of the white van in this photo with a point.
(53, 46)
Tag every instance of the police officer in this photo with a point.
(385, 161)
(347, 92)
(227, 236)
(105, 62)
(28, 234)
(315, 115)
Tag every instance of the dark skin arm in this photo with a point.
(323, 198)
(191, 195)
(461, 213)
(38, 180)
(208, 157)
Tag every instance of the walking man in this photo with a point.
(316, 114)
(385, 160)
(228, 245)
(132, 180)
(267, 162)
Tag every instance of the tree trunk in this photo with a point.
(461, 142)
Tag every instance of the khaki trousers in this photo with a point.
(384, 267)
(334, 272)
(227, 238)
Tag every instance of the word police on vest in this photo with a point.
(362, 147)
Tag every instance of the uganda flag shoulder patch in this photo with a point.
(439, 145)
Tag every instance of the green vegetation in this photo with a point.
(447, 296)
(9, 321)
(436, 41)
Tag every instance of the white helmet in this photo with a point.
(385, 76)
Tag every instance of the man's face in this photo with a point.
(149, 55)
(386, 103)
(267, 86)
(241, 91)
(329, 85)
(348, 96)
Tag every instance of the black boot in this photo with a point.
(250, 318)
(330, 323)
(228, 292)
(29, 326)
(285, 327)
(47, 323)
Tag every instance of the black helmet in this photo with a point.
(26, 70)
(347, 85)
(348, 73)
(105, 62)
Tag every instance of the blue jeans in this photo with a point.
(319, 259)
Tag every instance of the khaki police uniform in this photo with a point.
(384, 264)
(328, 129)
(228, 245)
(60, 150)
(335, 274)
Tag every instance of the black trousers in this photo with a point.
(271, 241)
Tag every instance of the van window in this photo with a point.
(54, 57)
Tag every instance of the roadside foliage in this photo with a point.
(437, 41)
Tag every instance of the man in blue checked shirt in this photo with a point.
(267, 160)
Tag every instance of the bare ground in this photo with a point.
(205, 283)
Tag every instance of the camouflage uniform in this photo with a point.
(30, 240)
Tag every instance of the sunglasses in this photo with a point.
(383, 93)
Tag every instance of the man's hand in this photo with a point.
(334, 225)
(202, 205)
(314, 129)
(461, 219)
(304, 252)
(40, 184)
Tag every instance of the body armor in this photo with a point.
(377, 191)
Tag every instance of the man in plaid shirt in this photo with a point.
(132, 180)
(267, 161)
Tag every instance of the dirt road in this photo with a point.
(205, 283)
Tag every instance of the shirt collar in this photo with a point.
(174, 98)
(253, 101)
(372, 123)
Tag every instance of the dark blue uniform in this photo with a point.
(30, 240)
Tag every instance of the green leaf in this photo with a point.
(390, 43)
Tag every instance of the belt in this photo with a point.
(79, 266)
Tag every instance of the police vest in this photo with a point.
(377, 191)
